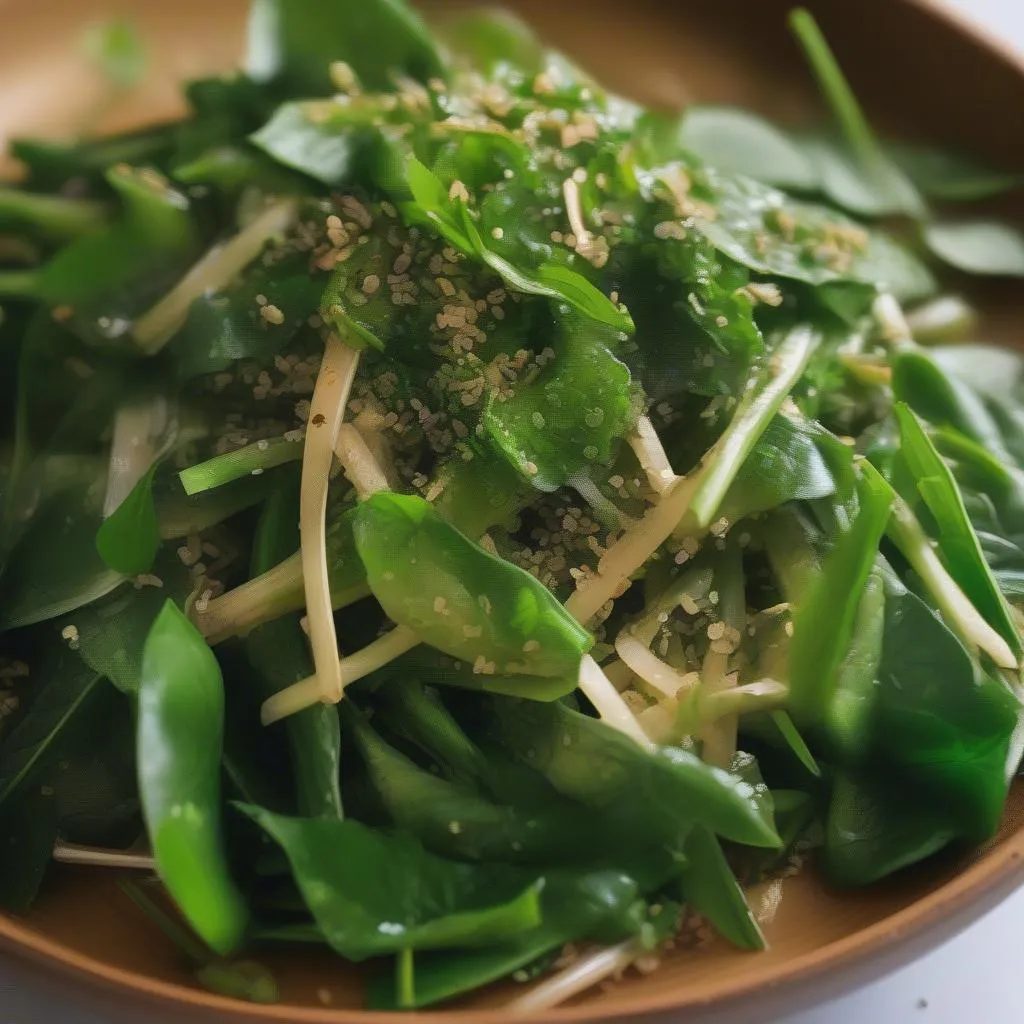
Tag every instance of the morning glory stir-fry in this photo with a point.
(459, 518)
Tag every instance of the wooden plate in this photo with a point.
(921, 73)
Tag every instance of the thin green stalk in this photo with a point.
(406, 984)
(178, 934)
(852, 122)
(57, 218)
(252, 459)
(963, 618)
(19, 284)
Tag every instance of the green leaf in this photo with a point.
(986, 248)
(279, 656)
(461, 821)
(739, 142)
(874, 829)
(55, 218)
(958, 544)
(954, 177)
(114, 273)
(63, 687)
(180, 729)
(826, 616)
(443, 670)
(111, 632)
(943, 399)
(494, 39)
(574, 906)
(784, 465)
(878, 189)
(601, 768)
(764, 230)
(388, 894)
(129, 539)
(117, 50)
(29, 827)
(458, 597)
(571, 417)
(315, 145)
(710, 887)
(55, 567)
(549, 279)
(941, 724)
(452, 219)
(377, 39)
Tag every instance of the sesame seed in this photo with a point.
(272, 315)
(370, 284)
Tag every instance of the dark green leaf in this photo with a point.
(941, 724)
(710, 887)
(279, 656)
(571, 417)
(388, 894)
(55, 568)
(129, 539)
(63, 687)
(28, 830)
(826, 616)
(601, 768)
(574, 906)
(875, 828)
(111, 275)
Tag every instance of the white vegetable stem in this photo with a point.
(214, 272)
(666, 682)
(326, 412)
(650, 453)
(306, 692)
(100, 857)
(361, 467)
(582, 975)
(134, 446)
(953, 603)
(718, 738)
(613, 710)
(276, 592)
(700, 493)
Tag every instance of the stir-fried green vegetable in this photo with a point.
(449, 513)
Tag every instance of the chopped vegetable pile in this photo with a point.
(456, 517)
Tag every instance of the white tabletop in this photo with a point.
(976, 976)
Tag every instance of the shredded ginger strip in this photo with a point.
(215, 270)
(703, 489)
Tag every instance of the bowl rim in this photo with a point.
(975, 890)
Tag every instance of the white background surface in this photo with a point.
(978, 976)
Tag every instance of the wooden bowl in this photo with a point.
(921, 73)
